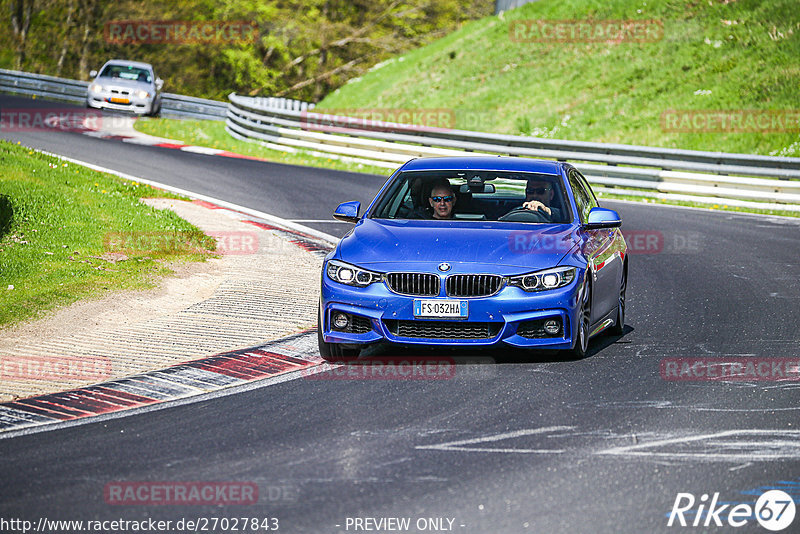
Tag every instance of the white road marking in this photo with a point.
(461, 445)
(202, 150)
(331, 220)
(744, 445)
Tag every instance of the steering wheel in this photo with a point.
(525, 215)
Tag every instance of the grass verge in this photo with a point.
(56, 221)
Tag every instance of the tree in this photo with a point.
(21, 11)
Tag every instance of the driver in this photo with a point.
(538, 197)
(442, 200)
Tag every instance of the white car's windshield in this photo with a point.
(126, 72)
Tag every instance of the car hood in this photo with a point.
(122, 82)
(504, 248)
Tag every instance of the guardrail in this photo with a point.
(289, 125)
(74, 91)
(705, 177)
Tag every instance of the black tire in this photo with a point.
(333, 352)
(619, 326)
(581, 345)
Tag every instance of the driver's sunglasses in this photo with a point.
(448, 198)
(537, 190)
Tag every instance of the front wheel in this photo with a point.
(581, 345)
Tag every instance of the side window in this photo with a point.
(585, 182)
(583, 198)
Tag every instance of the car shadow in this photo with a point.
(394, 354)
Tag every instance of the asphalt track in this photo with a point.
(524, 445)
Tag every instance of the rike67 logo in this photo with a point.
(774, 510)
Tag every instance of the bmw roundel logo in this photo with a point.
(444, 267)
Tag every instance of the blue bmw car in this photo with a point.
(475, 251)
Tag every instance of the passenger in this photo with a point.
(442, 200)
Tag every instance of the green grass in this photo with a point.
(713, 56)
(55, 216)
(212, 134)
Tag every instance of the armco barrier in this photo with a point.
(280, 123)
(74, 91)
(704, 177)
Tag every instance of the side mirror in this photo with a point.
(603, 218)
(347, 211)
(159, 83)
(93, 74)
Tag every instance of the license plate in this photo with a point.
(117, 100)
(441, 308)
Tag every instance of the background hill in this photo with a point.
(712, 55)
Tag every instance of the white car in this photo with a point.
(126, 86)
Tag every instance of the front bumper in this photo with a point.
(103, 100)
(507, 315)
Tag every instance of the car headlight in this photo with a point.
(96, 88)
(141, 94)
(344, 273)
(544, 280)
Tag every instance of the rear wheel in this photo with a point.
(581, 345)
(619, 326)
(333, 352)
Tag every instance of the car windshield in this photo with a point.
(126, 72)
(475, 196)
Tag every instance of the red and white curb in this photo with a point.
(190, 379)
(121, 129)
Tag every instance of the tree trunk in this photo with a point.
(64, 43)
(20, 23)
(83, 63)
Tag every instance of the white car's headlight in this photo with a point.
(141, 94)
(96, 88)
(544, 280)
(344, 273)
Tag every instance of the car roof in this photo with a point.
(128, 63)
(485, 163)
